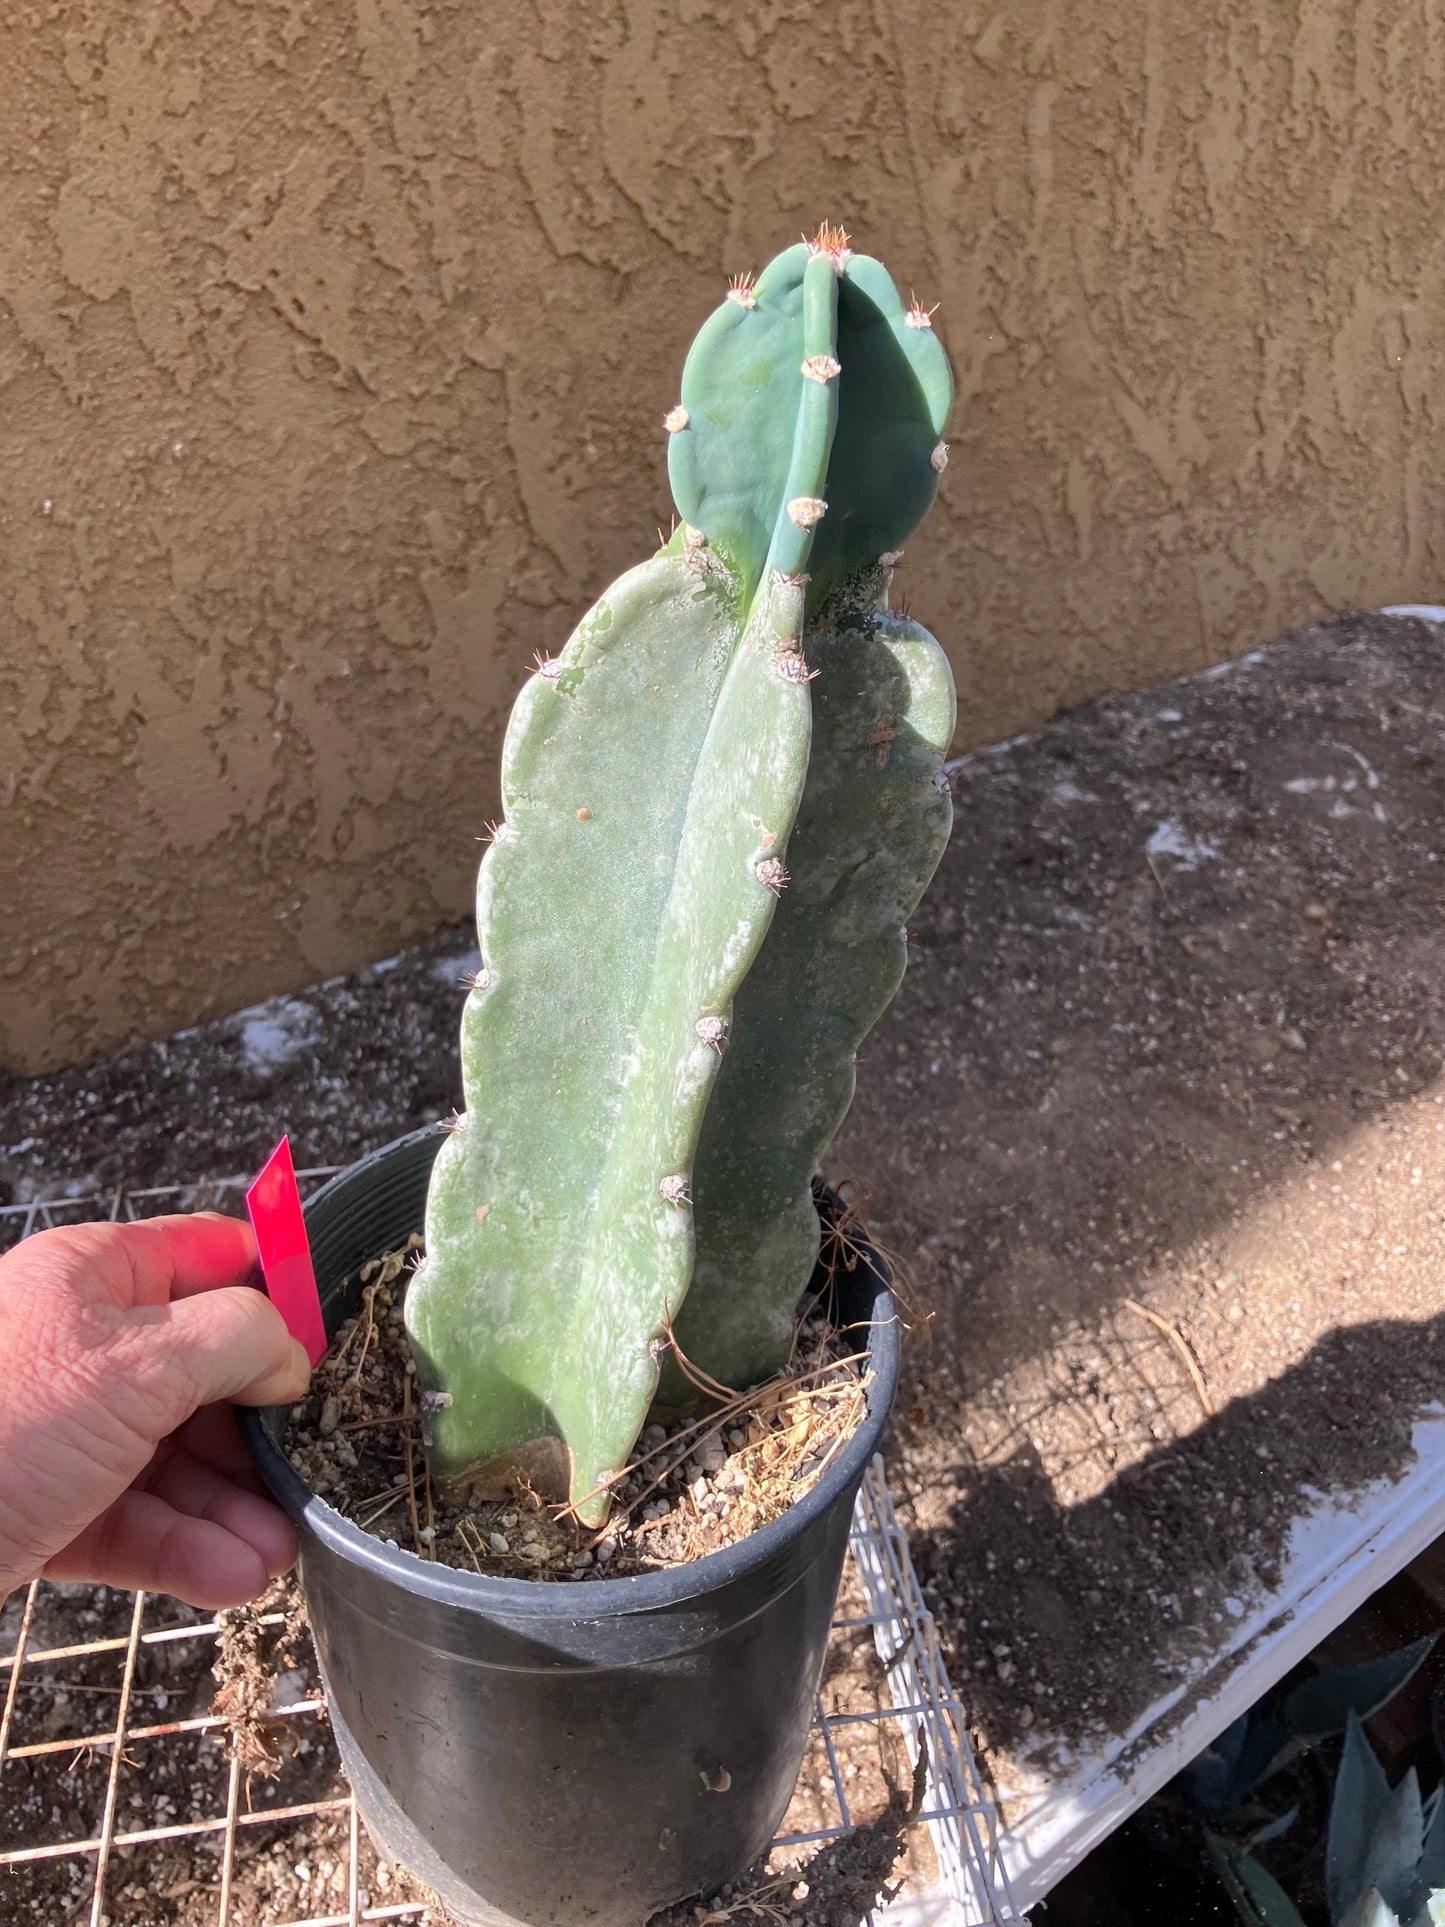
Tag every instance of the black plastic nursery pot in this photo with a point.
(548, 1754)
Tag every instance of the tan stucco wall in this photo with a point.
(335, 337)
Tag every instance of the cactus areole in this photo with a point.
(722, 799)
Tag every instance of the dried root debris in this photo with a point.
(847, 1242)
(258, 1646)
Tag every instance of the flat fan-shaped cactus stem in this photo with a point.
(651, 775)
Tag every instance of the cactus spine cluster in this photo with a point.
(721, 802)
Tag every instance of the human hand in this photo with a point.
(120, 1461)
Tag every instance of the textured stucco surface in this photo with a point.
(334, 342)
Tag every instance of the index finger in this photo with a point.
(175, 1257)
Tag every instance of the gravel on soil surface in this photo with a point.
(1172, 1033)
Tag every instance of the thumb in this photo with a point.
(232, 1343)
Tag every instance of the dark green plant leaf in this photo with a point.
(1430, 1876)
(1362, 1794)
(1269, 1750)
(1245, 1755)
(1213, 1774)
(1371, 1910)
(1393, 1860)
(1320, 1706)
(1272, 1829)
(1258, 1898)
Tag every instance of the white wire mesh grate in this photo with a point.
(915, 1706)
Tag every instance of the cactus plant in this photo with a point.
(1384, 1853)
(1384, 1850)
(1270, 1738)
(651, 778)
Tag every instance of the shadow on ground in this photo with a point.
(1179, 1527)
(1172, 1033)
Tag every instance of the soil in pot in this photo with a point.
(690, 1487)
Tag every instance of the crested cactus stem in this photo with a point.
(661, 1177)
(817, 420)
(541, 1321)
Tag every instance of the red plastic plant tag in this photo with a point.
(273, 1204)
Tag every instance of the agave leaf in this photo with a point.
(1213, 1774)
(1273, 1829)
(1246, 1754)
(1320, 1706)
(1370, 1910)
(1393, 1860)
(1361, 1797)
(1432, 1858)
(1430, 1876)
(1268, 1751)
(1258, 1898)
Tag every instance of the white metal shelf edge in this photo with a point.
(1337, 1554)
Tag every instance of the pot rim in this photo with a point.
(583, 1598)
